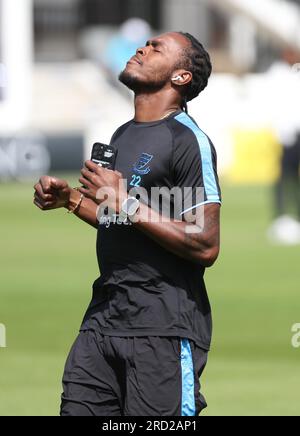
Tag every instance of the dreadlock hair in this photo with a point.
(195, 59)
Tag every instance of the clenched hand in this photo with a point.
(51, 193)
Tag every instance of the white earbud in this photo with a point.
(177, 78)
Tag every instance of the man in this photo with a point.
(285, 228)
(144, 340)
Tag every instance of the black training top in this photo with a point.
(145, 290)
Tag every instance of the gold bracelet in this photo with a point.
(78, 204)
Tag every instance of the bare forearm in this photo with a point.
(201, 247)
(87, 211)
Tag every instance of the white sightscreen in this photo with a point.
(2, 69)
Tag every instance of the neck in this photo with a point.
(154, 107)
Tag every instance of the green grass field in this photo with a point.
(48, 264)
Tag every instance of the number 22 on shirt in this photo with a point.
(135, 181)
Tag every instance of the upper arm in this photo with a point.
(203, 226)
(195, 167)
(211, 225)
(195, 172)
(203, 234)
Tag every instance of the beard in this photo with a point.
(142, 86)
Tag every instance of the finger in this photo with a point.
(85, 182)
(92, 166)
(88, 175)
(39, 199)
(41, 194)
(38, 204)
(57, 183)
(45, 182)
(100, 170)
(84, 191)
(44, 204)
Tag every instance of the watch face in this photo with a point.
(132, 206)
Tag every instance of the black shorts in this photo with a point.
(132, 376)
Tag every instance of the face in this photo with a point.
(153, 66)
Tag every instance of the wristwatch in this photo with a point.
(129, 208)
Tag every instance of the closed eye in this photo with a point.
(154, 44)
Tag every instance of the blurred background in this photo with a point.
(59, 62)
